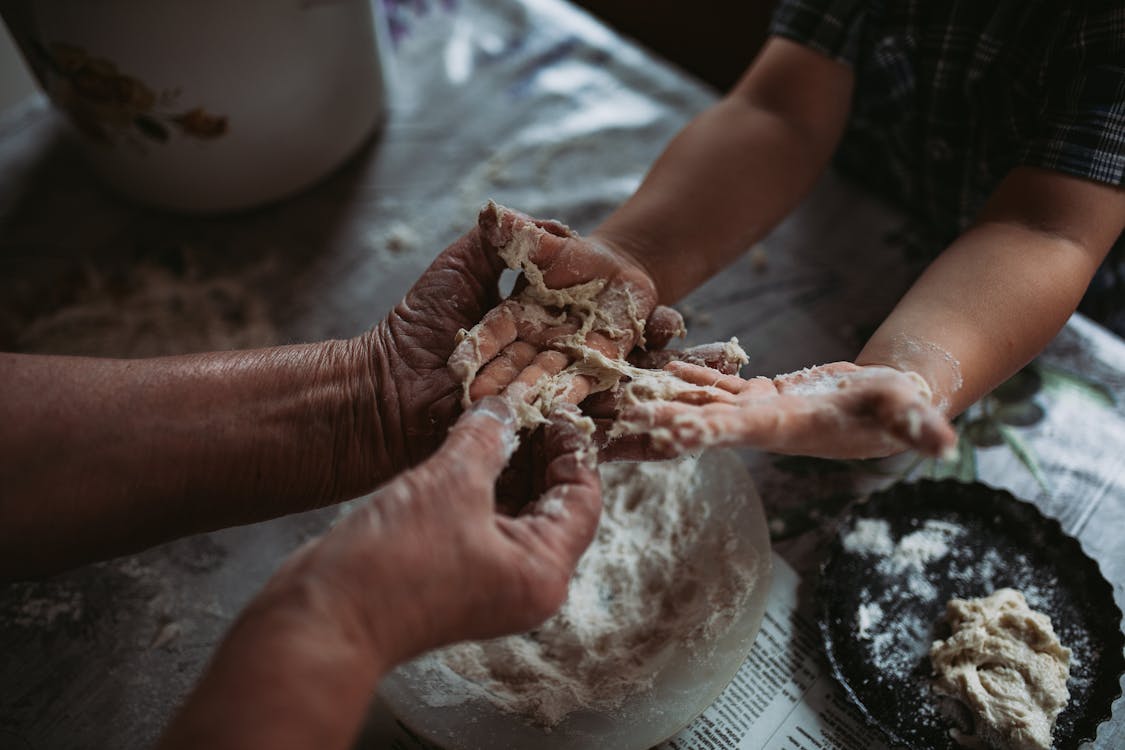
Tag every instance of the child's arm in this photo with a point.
(736, 170)
(998, 294)
(981, 311)
(724, 182)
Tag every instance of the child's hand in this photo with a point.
(838, 410)
(531, 335)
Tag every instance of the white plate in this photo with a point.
(689, 681)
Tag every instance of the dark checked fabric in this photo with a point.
(952, 94)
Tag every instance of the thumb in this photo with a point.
(484, 438)
(663, 324)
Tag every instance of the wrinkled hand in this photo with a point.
(429, 561)
(416, 397)
(515, 345)
(838, 410)
(416, 394)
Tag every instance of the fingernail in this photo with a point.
(495, 408)
(583, 425)
(914, 423)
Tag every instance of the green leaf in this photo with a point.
(966, 460)
(963, 468)
(983, 432)
(1023, 452)
(1061, 380)
(1020, 414)
(1020, 387)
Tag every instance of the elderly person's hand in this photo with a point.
(838, 410)
(426, 562)
(530, 334)
(416, 398)
(418, 394)
(222, 438)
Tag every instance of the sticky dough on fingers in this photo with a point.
(589, 326)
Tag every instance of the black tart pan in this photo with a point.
(879, 608)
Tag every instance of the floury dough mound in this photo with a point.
(660, 576)
(595, 308)
(1005, 663)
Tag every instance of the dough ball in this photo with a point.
(1005, 664)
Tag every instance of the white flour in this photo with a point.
(940, 369)
(912, 553)
(895, 636)
(870, 537)
(67, 605)
(867, 617)
(660, 575)
(152, 312)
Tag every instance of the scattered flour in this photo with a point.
(43, 612)
(939, 369)
(872, 536)
(393, 239)
(868, 616)
(152, 312)
(895, 635)
(660, 575)
(919, 548)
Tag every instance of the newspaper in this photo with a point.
(781, 699)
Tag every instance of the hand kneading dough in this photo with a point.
(610, 311)
(1004, 662)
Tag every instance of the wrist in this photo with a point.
(634, 250)
(349, 585)
(370, 451)
(929, 363)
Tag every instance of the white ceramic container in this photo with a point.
(208, 105)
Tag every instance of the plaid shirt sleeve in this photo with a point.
(831, 27)
(1082, 131)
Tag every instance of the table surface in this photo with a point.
(527, 102)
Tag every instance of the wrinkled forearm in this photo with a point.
(297, 670)
(102, 457)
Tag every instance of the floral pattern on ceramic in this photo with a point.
(108, 106)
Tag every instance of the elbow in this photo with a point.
(816, 136)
